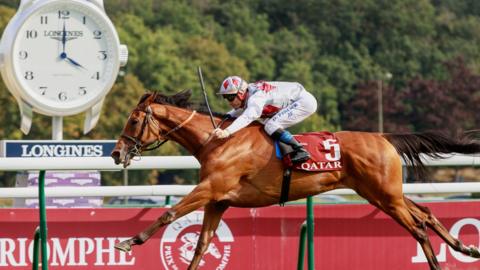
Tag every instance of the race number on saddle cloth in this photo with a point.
(324, 152)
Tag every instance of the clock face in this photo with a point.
(65, 55)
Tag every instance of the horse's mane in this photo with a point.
(180, 99)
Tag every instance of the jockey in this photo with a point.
(278, 105)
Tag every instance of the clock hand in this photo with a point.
(70, 60)
(64, 37)
(63, 55)
(74, 62)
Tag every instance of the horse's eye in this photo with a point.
(134, 121)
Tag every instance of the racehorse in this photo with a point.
(243, 170)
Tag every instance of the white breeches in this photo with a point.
(303, 107)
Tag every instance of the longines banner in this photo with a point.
(347, 237)
(67, 148)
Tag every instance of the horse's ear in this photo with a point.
(181, 98)
(144, 97)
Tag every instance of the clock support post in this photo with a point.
(91, 116)
(26, 112)
(57, 128)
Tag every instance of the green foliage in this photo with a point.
(216, 63)
(294, 45)
(297, 71)
(128, 89)
(9, 115)
(6, 14)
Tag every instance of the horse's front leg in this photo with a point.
(196, 199)
(211, 219)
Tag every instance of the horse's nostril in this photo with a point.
(116, 156)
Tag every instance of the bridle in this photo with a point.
(137, 149)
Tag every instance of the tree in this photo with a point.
(361, 111)
(447, 104)
(216, 62)
(424, 104)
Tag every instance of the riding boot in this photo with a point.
(299, 153)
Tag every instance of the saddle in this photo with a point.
(325, 155)
(323, 148)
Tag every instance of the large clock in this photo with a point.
(60, 57)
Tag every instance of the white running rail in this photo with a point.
(182, 190)
(182, 162)
(96, 163)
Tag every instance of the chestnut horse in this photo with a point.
(243, 170)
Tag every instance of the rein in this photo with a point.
(137, 148)
(209, 137)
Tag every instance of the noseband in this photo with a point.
(137, 148)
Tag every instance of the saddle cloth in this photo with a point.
(324, 150)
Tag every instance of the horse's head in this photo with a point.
(143, 128)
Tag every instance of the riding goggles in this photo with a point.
(230, 97)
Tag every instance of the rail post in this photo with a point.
(167, 201)
(301, 246)
(41, 231)
(307, 228)
(35, 248)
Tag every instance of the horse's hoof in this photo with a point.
(124, 246)
(474, 252)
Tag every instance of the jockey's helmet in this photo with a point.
(234, 85)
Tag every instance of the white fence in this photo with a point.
(96, 163)
(181, 162)
(181, 190)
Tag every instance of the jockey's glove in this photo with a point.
(221, 133)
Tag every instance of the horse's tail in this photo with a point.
(432, 144)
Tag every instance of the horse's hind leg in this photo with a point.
(196, 199)
(211, 219)
(434, 224)
(399, 211)
(384, 190)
